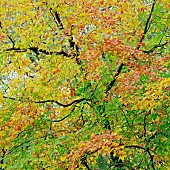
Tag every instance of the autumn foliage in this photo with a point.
(84, 84)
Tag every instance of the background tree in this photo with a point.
(84, 84)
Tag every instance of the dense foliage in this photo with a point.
(84, 84)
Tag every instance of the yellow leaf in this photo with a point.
(1, 120)
(1, 97)
(62, 158)
(108, 161)
(2, 133)
(122, 157)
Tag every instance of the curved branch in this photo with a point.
(55, 121)
(61, 104)
(51, 101)
(146, 150)
(156, 46)
(151, 158)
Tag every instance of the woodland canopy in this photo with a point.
(84, 84)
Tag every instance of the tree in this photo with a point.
(84, 84)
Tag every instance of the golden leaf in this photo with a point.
(1, 97)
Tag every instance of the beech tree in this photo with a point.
(84, 84)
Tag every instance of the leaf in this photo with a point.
(1, 97)
(1, 120)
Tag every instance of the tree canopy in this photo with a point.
(84, 84)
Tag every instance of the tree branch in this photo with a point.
(51, 101)
(56, 16)
(144, 125)
(60, 104)
(3, 155)
(151, 158)
(147, 26)
(12, 41)
(146, 150)
(84, 162)
(64, 117)
(156, 46)
(73, 45)
(114, 79)
(155, 134)
(37, 51)
(148, 20)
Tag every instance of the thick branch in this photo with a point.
(151, 158)
(56, 16)
(60, 104)
(102, 107)
(84, 162)
(146, 29)
(37, 51)
(3, 155)
(114, 79)
(72, 43)
(148, 20)
(51, 101)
